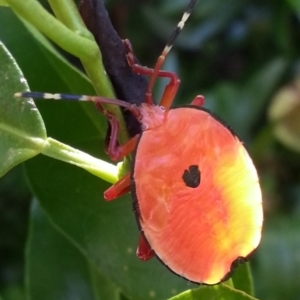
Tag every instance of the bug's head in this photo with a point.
(151, 116)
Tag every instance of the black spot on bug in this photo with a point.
(192, 176)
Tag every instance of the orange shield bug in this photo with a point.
(195, 189)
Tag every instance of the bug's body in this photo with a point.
(196, 192)
(196, 231)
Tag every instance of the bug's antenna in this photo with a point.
(96, 99)
(169, 46)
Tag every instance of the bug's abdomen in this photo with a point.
(198, 195)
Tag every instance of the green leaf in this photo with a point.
(220, 292)
(48, 147)
(22, 130)
(60, 272)
(13, 292)
(3, 3)
(240, 106)
(296, 5)
(105, 232)
(213, 21)
(278, 264)
(242, 279)
(46, 70)
(258, 89)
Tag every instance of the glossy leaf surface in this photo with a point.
(220, 292)
(22, 130)
(56, 269)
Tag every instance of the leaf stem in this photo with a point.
(33, 12)
(97, 167)
(67, 12)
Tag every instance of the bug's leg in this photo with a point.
(198, 101)
(115, 151)
(170, 90)
(172, 87)
(144, 252)
(120, 188)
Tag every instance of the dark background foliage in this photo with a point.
(237, 53)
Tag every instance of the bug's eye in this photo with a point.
(144, 127)
(192, 176)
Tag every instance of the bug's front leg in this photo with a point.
(121, 187)
(170, 90)
(116, 152)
